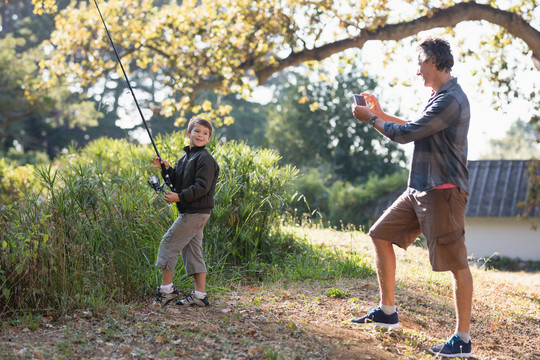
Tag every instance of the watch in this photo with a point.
(372, 120)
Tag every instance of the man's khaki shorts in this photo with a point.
(438, 214)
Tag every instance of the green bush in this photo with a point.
(27, 157)
(15, 181)
(89, 234)
(352, 204)
(341, 203)
(314, 194)
(250, 196)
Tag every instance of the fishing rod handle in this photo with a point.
(165, 176)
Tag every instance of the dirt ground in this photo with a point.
(284, 320)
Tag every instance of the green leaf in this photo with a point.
(6, 292)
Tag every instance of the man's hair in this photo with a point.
(437, 50)
(197, 120)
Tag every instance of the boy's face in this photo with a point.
(199, 136)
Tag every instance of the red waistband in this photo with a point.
(445, 186)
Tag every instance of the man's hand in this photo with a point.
(171, 197)
(157, 163)
(373, 104)
(361, 113)
(364, 113)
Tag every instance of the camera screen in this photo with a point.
(359, 100)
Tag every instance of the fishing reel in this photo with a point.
(153, 181)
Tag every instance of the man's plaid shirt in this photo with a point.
(440, 140)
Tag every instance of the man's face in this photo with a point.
(199, 136)
(427, 70)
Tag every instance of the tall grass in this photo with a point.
(88, 234)
(249, 198)
(91, 233)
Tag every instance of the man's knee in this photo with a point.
(463, 280)
(462, 274)
(381, 245)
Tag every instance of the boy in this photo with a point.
(194, 178)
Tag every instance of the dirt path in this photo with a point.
(248, 323)
(296, 321)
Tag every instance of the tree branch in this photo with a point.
(13, 119)
(448, 17)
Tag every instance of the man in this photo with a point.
(435, 200)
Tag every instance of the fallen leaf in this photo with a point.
(160, 338)
(255, 350)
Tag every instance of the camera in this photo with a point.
(359, 100)
(154, 183)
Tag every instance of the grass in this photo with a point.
(283, 317)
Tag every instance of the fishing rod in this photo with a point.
(153, 180)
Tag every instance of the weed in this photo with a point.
(271, 353)
(64, 347)
(336, 293)
(256, 301)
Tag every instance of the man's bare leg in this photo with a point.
(463, 292)
(385, 261)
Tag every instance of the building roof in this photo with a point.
(497, 186)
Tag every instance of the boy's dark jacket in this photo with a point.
(194, 178)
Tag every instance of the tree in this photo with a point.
(33, 117)
(232, 45)
(521, 141)
(38, 113)
(18, 19)
(311, 125)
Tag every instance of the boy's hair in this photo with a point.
(438, 51)
(197, 120)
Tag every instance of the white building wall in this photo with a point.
(509, 237)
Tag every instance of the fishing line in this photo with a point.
(153, 181)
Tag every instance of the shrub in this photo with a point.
(314, 195)
(250, 195)
(15, 181)
(351, 204)
(341, 203)
(91, 232)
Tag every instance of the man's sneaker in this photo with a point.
(377, 317)
(452, 348)
(193, 300)
(163, 298)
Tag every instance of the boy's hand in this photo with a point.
(157, 164)
(171, 197)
